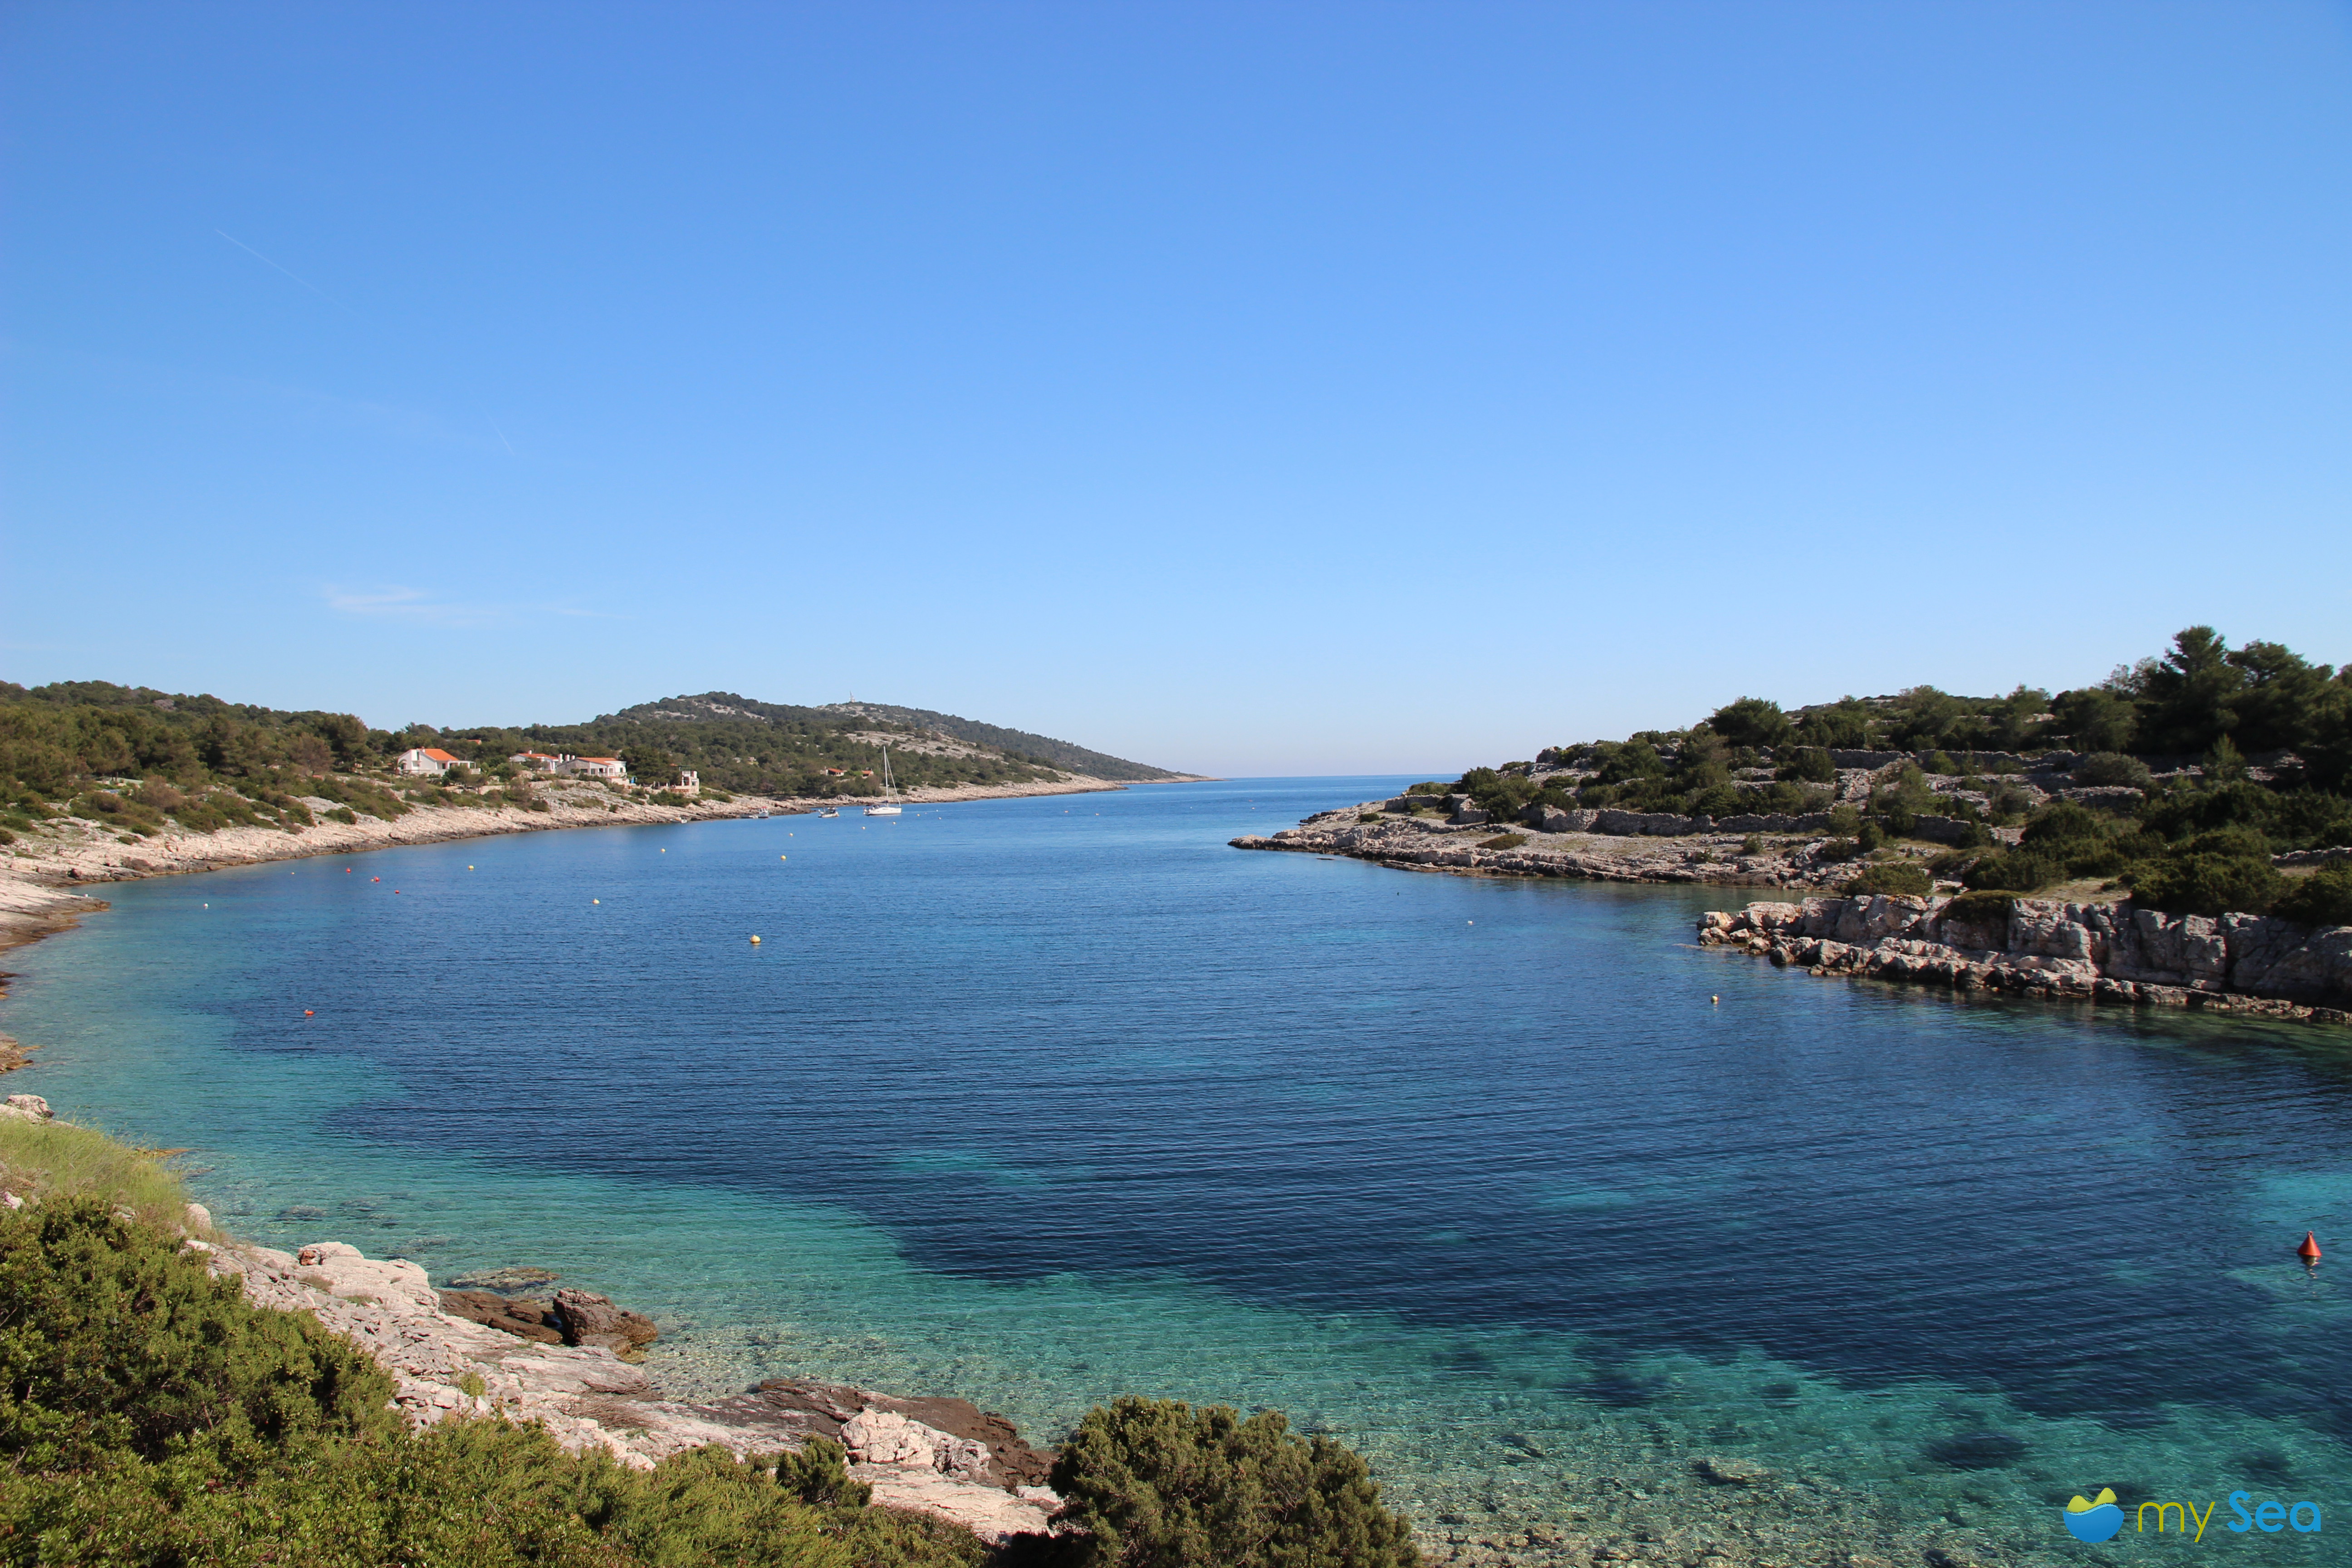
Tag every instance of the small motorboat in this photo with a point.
(829, 811)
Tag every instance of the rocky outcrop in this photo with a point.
(589, 1320)
(524, 1319)
(26, 1108)
(2092, 951)
(940, 1456)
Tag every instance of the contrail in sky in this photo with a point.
(314, 289)
(339, 305)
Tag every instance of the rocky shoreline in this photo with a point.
(2108, 952)
(945, 1458)
(2247, 965)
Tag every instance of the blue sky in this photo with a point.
(1251, 388)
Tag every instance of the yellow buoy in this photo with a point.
(469, 868)
(1716, 999)
(595, 900)
(755, 941)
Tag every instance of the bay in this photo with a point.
(1562, 1219)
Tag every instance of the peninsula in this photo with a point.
(2188, 822)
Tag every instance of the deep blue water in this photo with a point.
(1048, 1100)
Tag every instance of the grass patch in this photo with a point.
(50, 1163)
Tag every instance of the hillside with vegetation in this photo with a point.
(134, 756)
(1017, 743)
(2206, 780)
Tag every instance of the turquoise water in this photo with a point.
(1043, 1101)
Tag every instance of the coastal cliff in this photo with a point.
(2034, 947)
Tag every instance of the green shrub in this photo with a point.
(1752, 845)
(117, 1344)
(1750, 722)
(1870, 836)
(344, 815)
(2322, 899)
(1426, 786)
(2068, 823)
(2112, 768)
(6, 837)
(1808, 764)
(1503, 841)
(2208, 881)
(819, 1474)
(1891, 877)
(1845, 822)
(1987, 909)
(1157, 1484)
(2014, 872)
(1838, 849)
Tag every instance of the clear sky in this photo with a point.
(1251, 388)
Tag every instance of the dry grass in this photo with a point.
(46, 1161)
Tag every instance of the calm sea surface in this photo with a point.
(1043, 1101)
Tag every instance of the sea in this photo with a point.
(1582, 1234)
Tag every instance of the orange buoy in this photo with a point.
(2309, 1250)
(306, 1012)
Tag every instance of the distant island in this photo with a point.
(2212, 785)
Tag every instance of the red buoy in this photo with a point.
(2309, 1250)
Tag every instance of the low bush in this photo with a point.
(2014, 872)
(1987, 908)
(2208, 881)
(2322, 899)
(1808, 765)
(1838, 849)
(1503, 841)
(2112, 768)
(819, 1474)
(1891, 876)
(1157, 1484)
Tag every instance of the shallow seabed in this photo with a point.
(1043, 1101)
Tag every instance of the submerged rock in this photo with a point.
(521, 1277)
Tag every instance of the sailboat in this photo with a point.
(890, 806)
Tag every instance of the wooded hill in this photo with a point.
(56, 739)
(2185, 778)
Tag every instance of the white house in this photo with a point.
(428, 760)
(539, 760)
(689, 779)
(595, 767)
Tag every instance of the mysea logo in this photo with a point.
(2099, 1519)
(2095, 1521)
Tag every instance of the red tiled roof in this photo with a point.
(438, 755)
